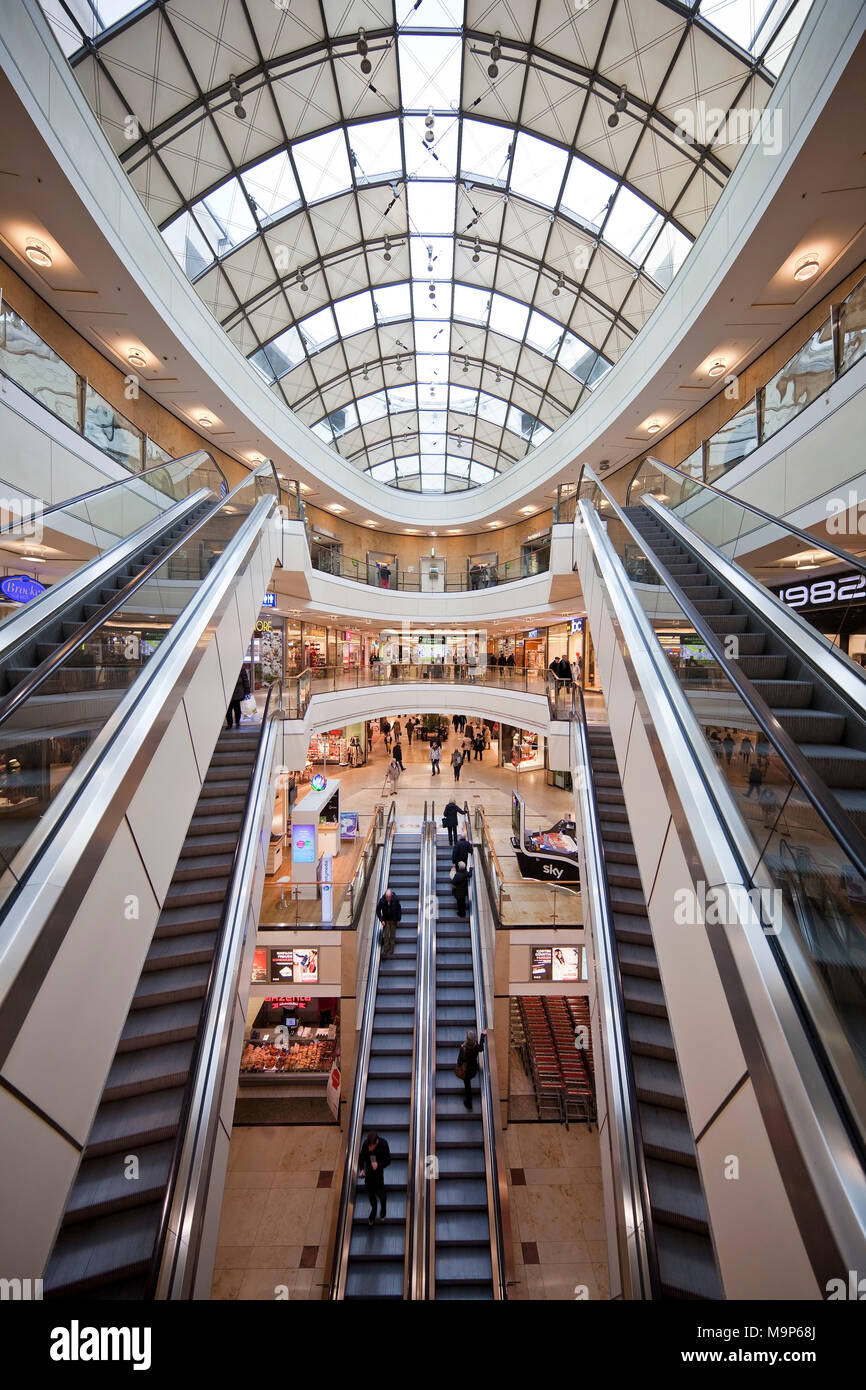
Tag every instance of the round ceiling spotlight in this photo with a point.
(807, 267)
(136, 359)
(495, 55)
(206, 421)
(236, 96)
(387, 254)
(618, 108)
(363, 49)
(653, 427)
(38, 253)
(559, 286)
(429, 122)
(302, 282)
(717, 368)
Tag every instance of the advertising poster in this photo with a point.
(566, 962)
(542, 963)
(260, 966)
(333, 1092)
(303, 844)
(306, 963)
(282, 963)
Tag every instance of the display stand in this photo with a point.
(315, 831)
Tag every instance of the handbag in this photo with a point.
(444, 821)
(460, 1071)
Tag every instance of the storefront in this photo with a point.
(288, 1035)
(265, 654)
(833, 603)
(535, 650)
(536, 554)
(522, 749)
(315, 640)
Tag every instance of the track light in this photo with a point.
(387, 252)
(302, 282)
(465, 366)
(476, 255)
(399, 366)
(495, 55)
(559, 286)
(619, 106)
(362, 47)
(429, 121)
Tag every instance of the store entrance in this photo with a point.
(326, 555)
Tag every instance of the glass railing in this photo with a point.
(326, 679)
(800, 837)
(54, 714)
(457, 580)
(86, 527)
(832, 350)
(518, 901)
(285, 909)
(739, 529)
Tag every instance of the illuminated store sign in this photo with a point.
(269, 601)
(820, 593)
(20, 588)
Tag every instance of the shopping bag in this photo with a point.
(249, 706)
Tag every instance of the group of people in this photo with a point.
(563, 673)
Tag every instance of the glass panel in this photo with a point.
(153, 453)
(733, 441)
(225, 217)
(323, 165)
(537, 169)
(111, 431)
(272, 187)
(184, 239)
(37, 369)
(801, 381)
(587, 193)
(485, 150)
(375, 150)
(39, 755)
(852, 326)
(632, 225)
(430, 71)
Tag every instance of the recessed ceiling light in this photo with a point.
(38, 252)
(305, 487)
(807, 267)
(717, 368)
(528, 511)
(494, 523)
(335, 507)
(371, 523)
(256, 458)
(653, 427)
(410, 533)
(205, 421)
(136, 358)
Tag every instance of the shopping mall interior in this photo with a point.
(430, 445)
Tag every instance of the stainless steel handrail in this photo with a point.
(812, 541)
(810, 1132)
(346, 1214)
(498, 1255)
(174, 1266)
(423, 1113)
(634, 1224)
(828, 809)
(76, 822)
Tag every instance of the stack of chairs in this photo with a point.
(544, 1064)
(577, 1091)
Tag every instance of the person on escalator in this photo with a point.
(467, 1062)
(375, 1157)
(460, 888)
(389, 912)
(240, 692)
(462, 851)
(449, 820)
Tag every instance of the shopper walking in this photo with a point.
(435, 756)
(410, 728)
(460, 888)
(467, 745)
(467, 1063)
(389, 912)
(375, 1157)
(398, 754)
(478, 745)
(728, 744)
(240, 692)
(457, 763)
(449, 820)
(394, 770)
(398, 730)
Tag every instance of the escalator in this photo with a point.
(376, 1256)
(684, 1265)
(110, 1229)
(461, 1236)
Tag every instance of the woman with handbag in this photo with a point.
(467, 1062)
(240, 692)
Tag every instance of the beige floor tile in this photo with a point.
(242, 1212)
(303, 1148)
(263, 1284)
(601, 1278)
(522, 1204)
(232, 1256)
(594, 1228)
(535, 1281)
(316, 1229)
(261, 1148)
(541, 1147)
(563, 1252)
(285, 1257)
(560, 1281)
(295, 1177)
(512, 1146)
(547, 1177)
(227, 1283)
(249, 1178)
(284, 1218)
(597, 1249)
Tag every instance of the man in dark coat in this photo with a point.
(449, 820)
(375, 1157)
(460, 888)
(470, 1050)
(389, 913)
(462, 851)
(240, 692)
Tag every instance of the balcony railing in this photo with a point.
(28, 361)
(456, 580)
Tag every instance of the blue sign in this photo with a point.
(317, 782)
(533, 632)
(269, 601)
(577, 625)
(20, 588)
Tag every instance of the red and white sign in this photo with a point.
(333, 1094)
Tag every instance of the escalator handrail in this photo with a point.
(776, 1005)
(423, 1130)
(814, 542)
(632, 1199)
(495, 1200)
(41, 673)
(346, 1209)
(173, 1264)
(120, 482)
(825, 805)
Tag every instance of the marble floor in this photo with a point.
(557, 1212)
(278, 1204)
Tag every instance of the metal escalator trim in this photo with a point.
(98, 790)
(854, 561)
(634, 1222)
(423, 1092)
(41, 673)
(175, 1261)
(498, 1221)
(826, 659)
(20, 629)
(834, 816)
(818, 1160)
(843, 1068)
(346, 1209)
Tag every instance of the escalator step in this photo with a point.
(666, 1134)
(785, 694)
(179, 921)
(148, 1069)
(686, 1264)
(102, 1185)
(469, 1228)
(166, 1023)
(169, 986)
(144, 1119)
(676, 1196)
(89, 1255)
(650, 1036)
(644, 995)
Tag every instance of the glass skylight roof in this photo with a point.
(429, 264)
